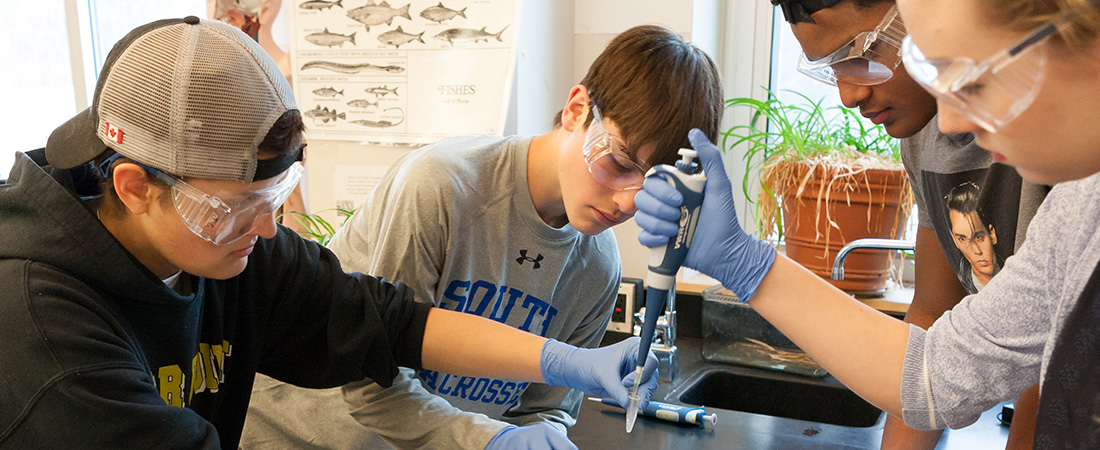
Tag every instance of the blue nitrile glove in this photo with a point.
(720, 248)
(599, 372)
(539, 436)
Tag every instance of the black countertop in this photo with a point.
(602, 426)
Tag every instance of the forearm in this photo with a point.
(464, 344)
(1021, 434)
(860, 346)
(897, 435)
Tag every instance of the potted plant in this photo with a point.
(826, 178)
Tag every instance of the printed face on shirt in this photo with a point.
(975, 240)
(899, 104)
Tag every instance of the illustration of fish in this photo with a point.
(398, 37)
(381, 123)
(351, 68)
(362, 103)
(320, 4)
(327, 92)
(468, 34)
(439, 13)
(330, 39)
(377, 14)
(381, 91)
(324, 114)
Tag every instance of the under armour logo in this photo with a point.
(523, 257)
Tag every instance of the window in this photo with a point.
(784, 75)
(40, 87)
(37, 84)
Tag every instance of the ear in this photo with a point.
(992, 235)
(576, 108)
(132, 185)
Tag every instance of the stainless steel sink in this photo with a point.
(780, 395)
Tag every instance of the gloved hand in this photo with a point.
(601, 372)
(720, 248)
(537, 436)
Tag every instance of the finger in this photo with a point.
(709, 155)
(621, 394)
(558, 441)
(650, 240)
(629, 360)
(660, 189)
(656, 225)
(650, 204)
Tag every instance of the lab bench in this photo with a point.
(602, 427)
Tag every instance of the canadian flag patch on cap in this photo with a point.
(113, 132)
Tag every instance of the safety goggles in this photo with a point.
(868, 59)
(226, 216)
(607, 161)
(990, 93)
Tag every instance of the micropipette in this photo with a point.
(673, 413)
(665, 261)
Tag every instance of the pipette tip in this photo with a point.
(632, 412)
(635, 399)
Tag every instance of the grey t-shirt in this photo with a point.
(994, 344)
(951, 172)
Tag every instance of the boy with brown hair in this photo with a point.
(515, 229)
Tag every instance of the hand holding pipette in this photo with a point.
(587, 369)
(721, 249)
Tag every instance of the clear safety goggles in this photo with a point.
(227, 215)
(868, 59)
(607, 162)
(990, 93)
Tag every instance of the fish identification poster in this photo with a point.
(406, 72)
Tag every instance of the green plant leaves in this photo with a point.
(805, 132)
(316, 227)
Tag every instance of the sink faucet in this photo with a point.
(882, 244)
(664, 338)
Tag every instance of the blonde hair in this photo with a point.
(1028, 14)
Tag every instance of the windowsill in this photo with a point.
(894, 301)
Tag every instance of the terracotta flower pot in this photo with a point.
(833, 206)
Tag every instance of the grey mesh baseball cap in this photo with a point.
(191, 97)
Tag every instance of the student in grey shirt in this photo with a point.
(514, 229)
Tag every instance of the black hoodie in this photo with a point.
(98, 352)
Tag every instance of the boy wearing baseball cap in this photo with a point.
(146, 282)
